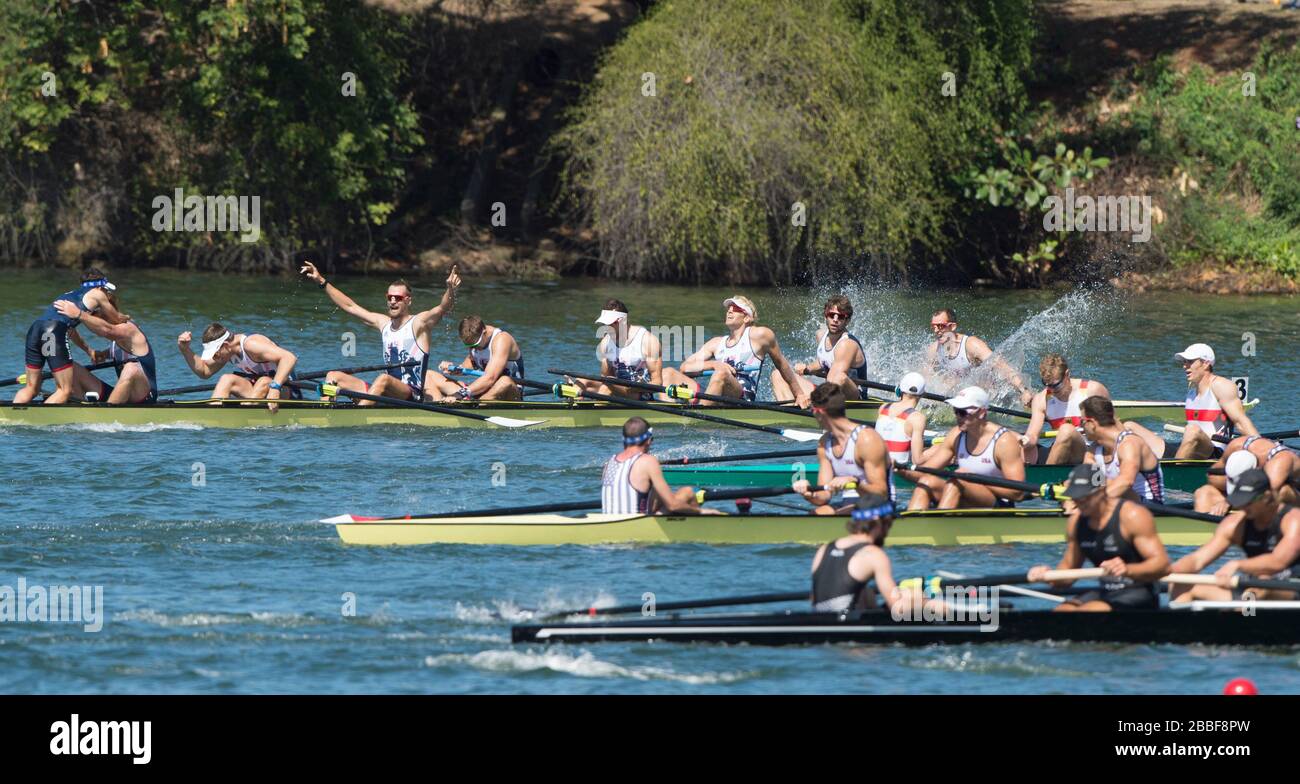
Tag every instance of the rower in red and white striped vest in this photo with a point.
(840, 356)
(1057, 405)
(1279, 462)
(902, 423)
(1132, 469)
(633, 482)
(1213, 407)
(976, 446)
(1265, 528)
(847, 453)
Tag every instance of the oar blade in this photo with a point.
(508, 422)
(801, 435)
(339, 519)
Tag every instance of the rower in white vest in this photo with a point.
(953, 356)
(262, 367)
(1213, 408)
(633, 481)
(840, 356)
(974, 446)
(848, 453)
(627, 351)
(1132, 470)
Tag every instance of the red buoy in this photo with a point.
(1240, 686)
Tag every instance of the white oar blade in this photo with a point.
(801, 435)
(338, 519)
(508, 422)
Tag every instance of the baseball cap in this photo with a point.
(1084, 480)
(1247, 487)
(1239, 463)
(1196, 351)
(912, 384)
(970, 397)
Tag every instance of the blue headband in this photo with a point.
(875, 512)
(641, 439)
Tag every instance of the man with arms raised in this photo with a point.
(736, 359)
(137, 371)
(1267, 531)
(633, 482)
(405, 335)
(49, 335)
(1115, 534)
(496, 356)
(626, 351)
(847, 453)
(262, 368)
(952, 355)
(1213, 407)
(976, 446)
(1132, 470)
(1279, 462)
(840, 358)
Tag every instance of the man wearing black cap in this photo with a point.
(1267, 531)
(1115, 534)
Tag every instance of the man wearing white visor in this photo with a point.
(1213, 408)
(975, 446)
(262, 368)
(627, 351)
(1279, 462)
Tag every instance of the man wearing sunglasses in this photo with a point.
(1132, 469)
(1057, 405)
(496, 357)
(840, 358)
(953, 355)
(736, 359)
(976, 446)
(1213, 408)
(847, 453)
(405, 335)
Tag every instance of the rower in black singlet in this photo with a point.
(1255, 542)
(1099, 546)
(833, 588)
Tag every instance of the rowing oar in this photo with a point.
(393, 401)
(778, 455)
(1048, 492)
(464, 371)
(8, 382)
(1223, 438)
(701, 495)
(571, 391)
(687, 395)
(940, 398)
(304, 377)
(1061, 575)
(726, 601)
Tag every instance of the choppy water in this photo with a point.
(232, 586)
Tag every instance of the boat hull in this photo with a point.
(939, 528)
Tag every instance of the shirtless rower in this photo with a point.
(952, 355)
(133, 357)
(1116, 534)
(844, 570)
(496, 356)
(262, 368)
(406, 336)
(1265, 528)
(633, 482)
(1213, 407)
(1279, 462)
(736, 359)
(626, 351)
(976, 446)
(847, 453)
(1132, 470)
(49, 336)
(902, 425)
(841, 358)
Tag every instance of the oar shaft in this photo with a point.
(941, 398)
(730, 601)
(393, 401)
(735, 401)
(304, 377)
(777, 455)
(995, 481)
(1015, 578)
(1238, 581)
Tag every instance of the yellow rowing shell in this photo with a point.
(935, 527)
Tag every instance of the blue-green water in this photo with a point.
(232, 586)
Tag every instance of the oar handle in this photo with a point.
(1015, 578)
(1236, 581)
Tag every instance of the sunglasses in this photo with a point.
(962, 413)
(734, 309)
(835, 315)
(942, 326)
(1054, 384)
(398, 297)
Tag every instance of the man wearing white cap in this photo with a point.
(1268, 533)
(1279, 462)
(736, 359)
(626, 351)
(840, 357)
(1213, 408)
(977, 446)
(262, 368)
(902, 423)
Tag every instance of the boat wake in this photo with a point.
(580, 664)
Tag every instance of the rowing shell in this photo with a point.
(1185, 475)
(1265, 626)
(313, 413)
(934, 527)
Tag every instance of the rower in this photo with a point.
(1115, 534)
(844, 570)
(736, 359)
(1132, 469)
(1267, 531)
(49, 336)
(495, 358)
(262, 368)
(633, 482)
(1058, 405)
(977, 446)
(626, 351)
(132, 356)
(953, 355)
(405, 335)
(840, 356)
(1242, 453)
(1213, 407)
(848, 453)
(902, 423)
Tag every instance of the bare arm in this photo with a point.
(943, 453)
(200, 368)
(1037, 418)
(767, 341)
(873, 456)
(916, 421)
(703, 359)
(979, 353)
(1011, 459)
(654, 363)
(496, 366)
(430, 318)
(659, 486)
(1139, 523)
(1225, 534)
(1130, 460)
(343, 301)
(262, 349)
(1226, 393)
(1281, 556)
